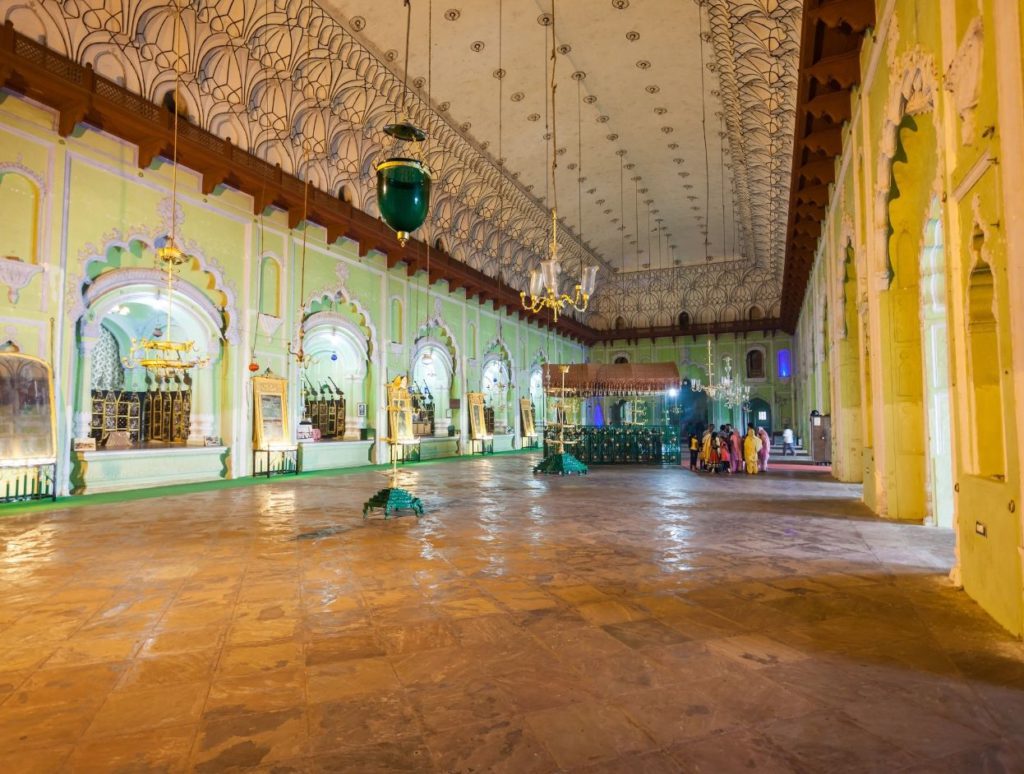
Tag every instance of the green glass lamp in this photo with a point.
(403, 182)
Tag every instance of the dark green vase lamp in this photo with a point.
(403, 182)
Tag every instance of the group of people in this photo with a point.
(726, 451)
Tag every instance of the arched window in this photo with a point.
(785, 368)
(684, 319)
(620, 323)
(270, 287)
(621, 360)
(755, 364)
(755, 313)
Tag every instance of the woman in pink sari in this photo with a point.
(762, 455)
(737, 450)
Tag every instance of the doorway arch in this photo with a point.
(760, 413)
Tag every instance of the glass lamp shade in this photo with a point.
(536, 283)
(550, 269)
(403, 195)
(588, 280)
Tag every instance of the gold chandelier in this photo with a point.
(165, 357)
(544, 292)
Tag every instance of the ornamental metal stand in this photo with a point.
(394, 498)
(561, 462)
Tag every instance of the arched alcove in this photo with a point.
(339, 350)
(986, 400)
(270, 286)
(127, 305)
(432, 373)
(396, 321)
(755, 364)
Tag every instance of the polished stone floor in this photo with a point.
(636, 620)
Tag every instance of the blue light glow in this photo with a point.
(784, 369)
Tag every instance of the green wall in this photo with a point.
(87, 215)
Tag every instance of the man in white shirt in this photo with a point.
(787, 441)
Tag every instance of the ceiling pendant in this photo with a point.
(161, 355)
(403, 177)
(544, 287)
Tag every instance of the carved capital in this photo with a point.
(16, 274)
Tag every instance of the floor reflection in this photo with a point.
(637, 619)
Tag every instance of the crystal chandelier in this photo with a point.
(165, 357)
(728, 390)
(544, 289)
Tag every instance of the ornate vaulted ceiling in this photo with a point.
(278, 76)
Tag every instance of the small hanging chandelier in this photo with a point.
(164, 357)
(727, 389)
(403, 177)
(544, 292)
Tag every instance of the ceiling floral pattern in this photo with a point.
(284, 80)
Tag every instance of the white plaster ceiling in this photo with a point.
(641, 94)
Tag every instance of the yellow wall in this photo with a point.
(936, 128)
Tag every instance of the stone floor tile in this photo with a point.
(582, 734)
(229, 741)
(384, 758)
(41, 761)
(74, 685)
(354, 677)
(361, 721)
(733, 752)
(258, 692)
(506, 745)
(166, 750)
(128, 712)
(247, 659)
(578, 625)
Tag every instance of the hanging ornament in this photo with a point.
(254, 366)
(403, 178)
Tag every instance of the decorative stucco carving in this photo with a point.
(250, 75)
(339, 292)
(149, 237)
(16, 275)
(912, 90)
(963, 78)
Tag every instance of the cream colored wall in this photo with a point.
(938, 117)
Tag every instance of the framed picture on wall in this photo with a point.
(526, 415)
(477, 418)
(270, 420)
(27, 408)
(360, 409)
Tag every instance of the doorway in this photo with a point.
(935, 340)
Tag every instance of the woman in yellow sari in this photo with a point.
(705, 449)
(751, 446)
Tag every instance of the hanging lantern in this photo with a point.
(403, 182)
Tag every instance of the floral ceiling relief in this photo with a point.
(284, 80)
